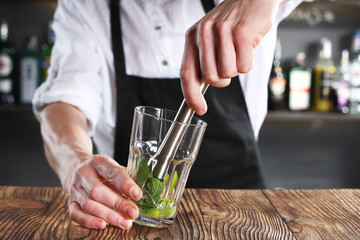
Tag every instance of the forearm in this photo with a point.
(66, 141)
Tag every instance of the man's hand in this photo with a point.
(96, 185)
(221, 44)
(98, 194)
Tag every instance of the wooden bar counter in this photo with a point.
(42, 213)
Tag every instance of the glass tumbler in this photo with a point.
(160, 200)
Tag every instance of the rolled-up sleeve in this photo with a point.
(74, 75)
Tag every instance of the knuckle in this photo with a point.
(221, 82)
(240, 32)
(71, 206)
(79, 196)
(191, 101)
(244, 67)
(223, 28)
(96, 191)
(185, 74)
(87, 206)
(73, 216)
(80, 172)
(256, 40)
(111, 216)
(119, 179)
(73, 193)
(118, 203)
(205, 27)
(127, 183)
(212, 79)
(82, 201)
(111, 173)
(227, 73)
(189, 34)
(204, 33)
(96, 160)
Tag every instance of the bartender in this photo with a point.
(111, 56)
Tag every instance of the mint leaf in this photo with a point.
(151, 203)
(152, 190)
(151, 187)
(143, 173)
(166, 178)
(164, 210)
(174, 181)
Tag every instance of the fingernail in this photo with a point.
(135, 193)
(130, 212)
(100, 225)
(201, 111)
(124, 223)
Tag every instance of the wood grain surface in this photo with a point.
(42, 213)
(319, 214)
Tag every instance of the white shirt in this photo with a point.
(82, 70)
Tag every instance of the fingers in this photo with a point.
(190, 75)
(117, 176)
(221, 45)
(92, 211)
(224, 50)
(226, 62)
(85, 220)
(216, 53)
(92, 214)
(96, 196)
(207, 52)
(105, 195)
(244, 52)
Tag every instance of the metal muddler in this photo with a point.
(160, 162)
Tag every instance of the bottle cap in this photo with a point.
(356, 41)
(326, 48)
(32, 42)
(300, 58)
(4, 30)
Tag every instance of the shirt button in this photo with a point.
(157, 28)
(164, 63)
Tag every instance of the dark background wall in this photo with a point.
(299, 150)
(27, 17)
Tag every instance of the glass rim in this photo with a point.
(201, 123)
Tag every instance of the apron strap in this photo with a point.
(208, 5)
(120, 71)
(117, 44)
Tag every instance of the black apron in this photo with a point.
(228, 156)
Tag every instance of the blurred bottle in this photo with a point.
(355, 74)
(300, 85)
(277, 82)
(324, 76)
(29, 71)
(342, 83)
(46, 49)
(6, 66)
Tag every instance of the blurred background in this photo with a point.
(310, 138)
